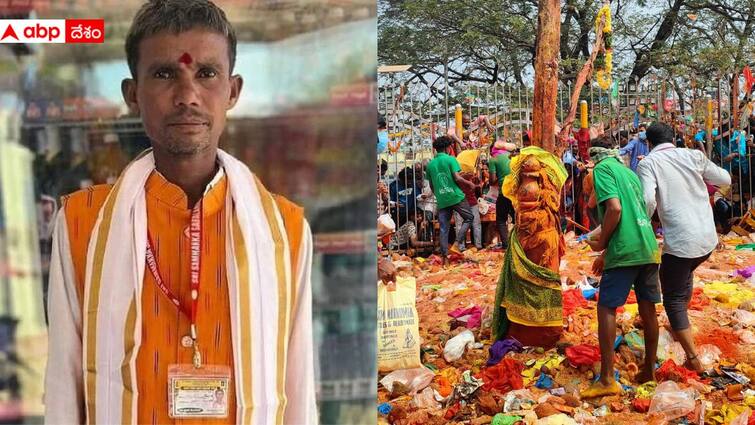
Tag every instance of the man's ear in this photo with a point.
(128, 89)
(236, 83)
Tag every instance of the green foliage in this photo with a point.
(487, 40)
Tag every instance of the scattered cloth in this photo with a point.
(641, 405)
(583, 355)
(572, 300)
(505, 376)
(499, 349)
(473, 316)
(544, 382)
(670, 371)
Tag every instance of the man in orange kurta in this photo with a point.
(181, 54)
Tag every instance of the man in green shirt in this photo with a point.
(499, 169)
(444, 176)
(630, 257)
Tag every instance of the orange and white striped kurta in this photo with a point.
(74, 379)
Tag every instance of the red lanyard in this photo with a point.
(195, 233)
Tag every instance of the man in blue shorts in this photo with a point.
(629, 258)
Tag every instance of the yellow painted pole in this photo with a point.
(709, 126)
(457, 116)
(583, 119)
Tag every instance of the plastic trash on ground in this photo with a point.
(455, 346)
(646, 390)
(744, 317)
(467, 386)
(413, 379)
(426, 399)
(709, 355)
(668, 349)
(501, 419)
(672, 401)
(518, 400)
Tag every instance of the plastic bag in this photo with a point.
(455, 346)
(744, 317)
(398, 327)
(467, 386)
(668, 349)
(671, 401)
(518, 400)
(483, 206)
(501, 419)
(709, 355)
(635, 342)
(385, 225)
(426, 400)
(414, 380)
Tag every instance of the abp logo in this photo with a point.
(52, 30)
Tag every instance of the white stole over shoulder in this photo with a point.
(264, 297)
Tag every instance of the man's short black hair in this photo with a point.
(383, 166)
(177, 16)
(381, 121)
(406, 175)
(659, 132)
(441, 143)
(601, 142)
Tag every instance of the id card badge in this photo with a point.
(198, 393)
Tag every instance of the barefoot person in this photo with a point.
(629, 259)
(674, 183)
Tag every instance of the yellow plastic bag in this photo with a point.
(398, 326)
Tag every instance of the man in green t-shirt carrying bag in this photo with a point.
(444, 174)
(629, 258)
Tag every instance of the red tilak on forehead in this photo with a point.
(185, 59)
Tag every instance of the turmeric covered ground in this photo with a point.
(508, 384)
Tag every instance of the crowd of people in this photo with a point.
(623, 189)
(414, 206)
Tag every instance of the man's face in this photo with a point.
(183, 90)
(465, 121)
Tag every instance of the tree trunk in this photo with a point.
(546, 75)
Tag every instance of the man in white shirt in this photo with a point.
(673, 181)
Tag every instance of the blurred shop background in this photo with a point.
(305, 124)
